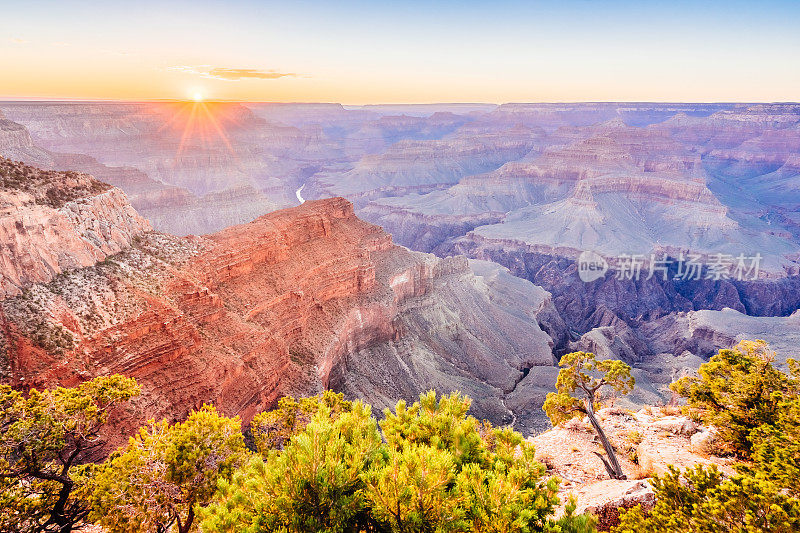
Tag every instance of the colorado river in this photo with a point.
(298, 191)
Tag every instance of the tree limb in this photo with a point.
(611, 473)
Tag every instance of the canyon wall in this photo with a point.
(703, 186)
(526, 186)
(51, 222)
(291, 303)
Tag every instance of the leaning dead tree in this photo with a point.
(580, 386)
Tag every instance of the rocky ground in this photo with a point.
(646, 441)
(53, 221)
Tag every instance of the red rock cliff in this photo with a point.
(280, 305)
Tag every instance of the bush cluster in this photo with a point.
(756, 409)
(323, 464)
(319, 464)
(49, 187)
(326, 465)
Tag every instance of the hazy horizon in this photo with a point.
(380, 104)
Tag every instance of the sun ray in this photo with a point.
(175, 115)
(220, 131)
(187, 131)
(201, 126)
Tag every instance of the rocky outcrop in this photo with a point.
(168, 208)
(422, 166)
(462, 331)
(424, 231)
(640, 298)
(675, 345)
(706, 442)
(647, 441)
(616, 340)
(694, 184)
(55, 221)
(173, 209)
(16, 144)
(607, 499)
(705, 332)
(291, 303)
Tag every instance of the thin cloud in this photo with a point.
(17, 40)
(232, 74)
(243, 73)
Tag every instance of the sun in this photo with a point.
(197, 97)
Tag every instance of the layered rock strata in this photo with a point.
(294, 302)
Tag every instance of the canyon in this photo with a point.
(715, 186)
(291, 303)
(473, 283)
(52, 222)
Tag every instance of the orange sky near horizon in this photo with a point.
(362, 53)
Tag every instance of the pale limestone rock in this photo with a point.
(655, 455)
(705, 442)
(606, 498)
(42, 237)
(678, 425)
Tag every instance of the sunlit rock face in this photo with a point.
(51, 222)
(16, 144)
(293, 302)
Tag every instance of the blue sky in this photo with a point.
(370, 52)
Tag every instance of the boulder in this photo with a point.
(655, 455)
(677, 425)
(705, 442)
(605, 498)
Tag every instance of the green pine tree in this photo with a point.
(166, 473)
(44, 438)
(580, 385)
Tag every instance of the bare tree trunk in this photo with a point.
(58, 512)
(612, 465)
(186, 526)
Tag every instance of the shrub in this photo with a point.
(313, 484)
(412, 491)
(166, 473)
(776, 448)
(634, 437)
(738, 390)
(756, 409)
(437, 423)
(700, 500)
(45, 438)
(438, 470)
(273, 429)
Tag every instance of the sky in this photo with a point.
(401, 52)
